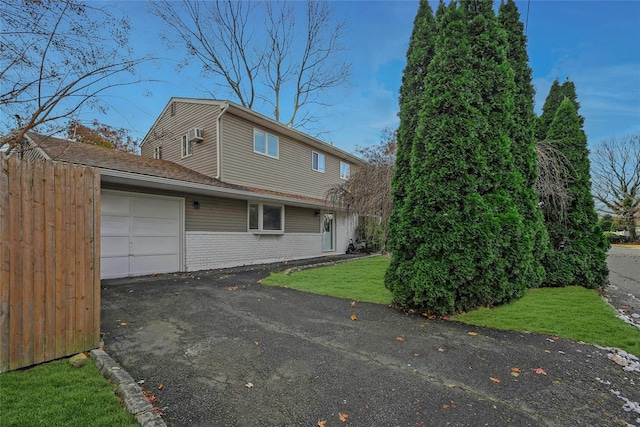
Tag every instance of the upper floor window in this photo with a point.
(345, 170)
(157, 152)
(265, 218)
(265, 143)
(317, 162)
(186, 145)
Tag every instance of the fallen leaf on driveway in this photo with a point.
(400, 338)
(160, 386)
(123, 324)
(256, 342)
(150, 397)
(343, 417)
(232, 288)
(353, 303)
(495, 380)
(249, 385)
(354, 317)
(515, 372)
(322, 423)
(473, 334)
(540, 371)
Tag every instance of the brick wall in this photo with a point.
(209, 250)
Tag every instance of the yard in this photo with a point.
(57, 394)
(572, 312)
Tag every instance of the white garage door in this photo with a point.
(140, 234)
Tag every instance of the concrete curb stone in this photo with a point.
(135, 401)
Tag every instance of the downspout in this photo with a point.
(219, 141)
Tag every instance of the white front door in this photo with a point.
(139, 234)
(328, 232)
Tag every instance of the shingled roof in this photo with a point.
(58, 149)
(105, 158)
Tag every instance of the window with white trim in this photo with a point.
(266, 218)
(345, 170)
(157, 152)
(265, 143)
(317, 161)
(186, 145)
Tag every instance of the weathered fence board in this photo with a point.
(49, 261)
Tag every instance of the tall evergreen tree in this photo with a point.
(523, 139)
(557, 93)
(579, 246)
(466, 228)
(419, 54)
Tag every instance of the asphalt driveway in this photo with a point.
(219, 349)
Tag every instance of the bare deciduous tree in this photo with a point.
(367, 192)
(262, 51)
(57, 56)
(615, 171)
(552, 183)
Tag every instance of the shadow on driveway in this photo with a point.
(231, 352)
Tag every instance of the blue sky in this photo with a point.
(596, 44)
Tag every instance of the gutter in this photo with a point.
(219, 141)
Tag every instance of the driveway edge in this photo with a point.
(131, 393)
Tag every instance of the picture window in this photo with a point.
(266, 144)
(265, 218)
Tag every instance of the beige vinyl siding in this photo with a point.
(301, 220)
(290, 173)
(169, 129)
(215, 214)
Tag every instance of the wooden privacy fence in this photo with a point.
(49, 261)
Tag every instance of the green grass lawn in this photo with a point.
(57, 394)
(573, 312)
(360, 280)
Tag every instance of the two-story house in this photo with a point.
(217, 185)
